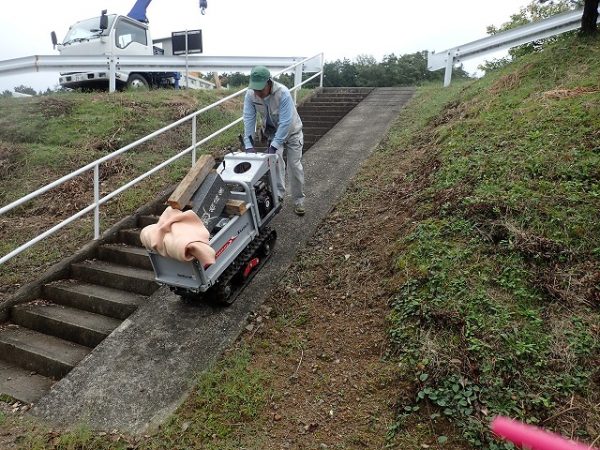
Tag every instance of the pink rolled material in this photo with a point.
(534, 438)
(179, 235)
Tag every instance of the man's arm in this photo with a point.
(249, 119)
(286, 113)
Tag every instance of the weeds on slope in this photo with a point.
(498, 298)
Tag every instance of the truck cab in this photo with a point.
(111, 34)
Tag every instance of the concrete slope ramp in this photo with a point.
(140, 373)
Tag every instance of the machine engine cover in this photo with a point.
(209, 200)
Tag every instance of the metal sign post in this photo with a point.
(184, 43)
(187, 73)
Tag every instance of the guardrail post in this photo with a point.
(449, 67)
(112, 74)
(97, 201)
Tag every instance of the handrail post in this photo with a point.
(194, 125)
(97, 201)
(297, 81)
(322, 70)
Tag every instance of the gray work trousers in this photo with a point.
(292, 151)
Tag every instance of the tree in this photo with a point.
(533, 12)
(589, 18)
(236, 79)
(340, 73)
(25, 90)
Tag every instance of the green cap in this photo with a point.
(259, 77)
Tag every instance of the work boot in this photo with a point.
(299, 210)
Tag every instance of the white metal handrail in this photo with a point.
(552, 26)
(147, 63)
(95, 165)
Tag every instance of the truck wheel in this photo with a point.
(136, 81)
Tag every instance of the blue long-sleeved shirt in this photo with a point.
(277, 109)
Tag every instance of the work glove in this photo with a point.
(251, 150)
(271, 150)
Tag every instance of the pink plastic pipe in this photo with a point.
(534, 438)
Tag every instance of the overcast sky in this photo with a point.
(339, 29)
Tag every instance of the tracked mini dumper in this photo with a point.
(242, 240)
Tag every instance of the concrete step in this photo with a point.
(95, 298)
(313, 137)
(130, 236)
(24, 385)
(346, 90)
(334, 98)
(318, 105)
(329, 110)
(323, 111)
(315, 118)
(325, 103)
(317, 131)
(144, 221)
(47, 355)
(309, 123)
(346, 93)
(125, 255)
(115, 276)
(71, 324)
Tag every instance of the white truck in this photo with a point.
(118, 35)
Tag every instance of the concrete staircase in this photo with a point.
(326, 108)
(45, 338)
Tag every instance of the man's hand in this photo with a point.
(251, 150)
(271, 150)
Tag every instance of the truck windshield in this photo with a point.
(86, 29)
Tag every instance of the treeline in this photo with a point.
(365, 71)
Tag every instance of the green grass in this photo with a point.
(45, 138)
(497, 268)
(488, 319)
(224, 400)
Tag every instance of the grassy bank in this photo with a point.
(45, 138)
(498, 273)
(458, 279)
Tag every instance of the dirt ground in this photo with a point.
(322, 335)
(334, 387)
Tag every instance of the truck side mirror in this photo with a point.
(103, 20)
(54, 40)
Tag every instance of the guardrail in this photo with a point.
(297, 67)
(157, 63)
(552, 26)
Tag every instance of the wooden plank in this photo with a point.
(191, 182)
(235, 207)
